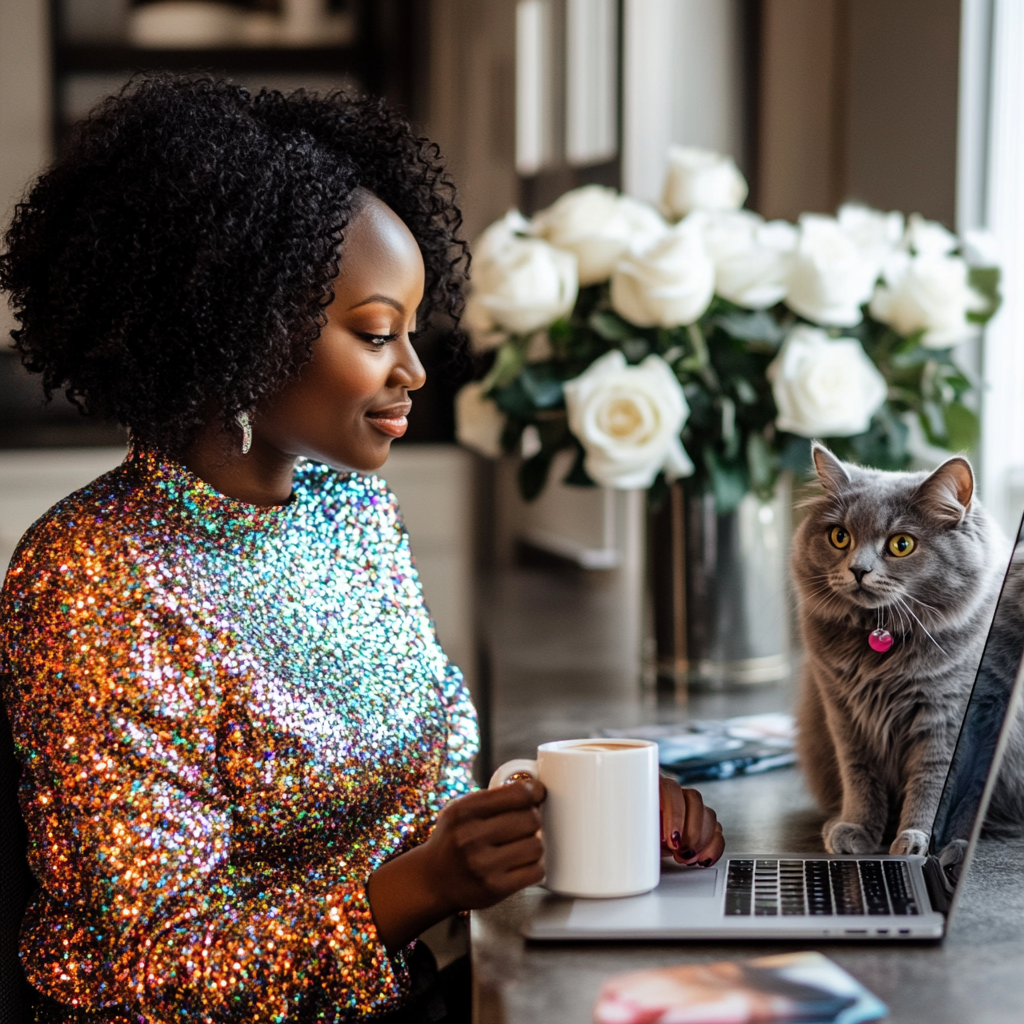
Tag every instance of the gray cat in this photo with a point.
(915, 555)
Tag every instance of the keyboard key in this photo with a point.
(739, 888)
(897, 880)
(873, 886)
(819, 891)
(846, 888)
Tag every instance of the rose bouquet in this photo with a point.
(702, 339)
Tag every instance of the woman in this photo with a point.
(247, 760)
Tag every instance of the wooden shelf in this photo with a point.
(81, 58)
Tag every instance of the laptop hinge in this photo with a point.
(938, 888)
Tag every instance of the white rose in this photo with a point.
(758, 278)
(824, 387)
(628, 419)
(670, 284)
(478, 421)
(725, 232)
(930, 294)
(875, 233)
(484, 333)
(599, 226)
(699, 179)
(523, 285)
(830, 279)
(928, 237)
(498, 235)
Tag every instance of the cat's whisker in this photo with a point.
(817, 591)
(921, 624)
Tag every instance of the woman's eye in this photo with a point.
(839, 537)
(901, 544)
(378, 340)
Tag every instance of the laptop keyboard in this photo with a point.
(772, 888)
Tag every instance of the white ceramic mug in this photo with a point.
(602, 828)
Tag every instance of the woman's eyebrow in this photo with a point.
(386, 299)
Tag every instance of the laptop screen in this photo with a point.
(978, 743)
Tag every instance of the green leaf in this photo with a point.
(795, 454)
(635, 349)
(759, 326)
(515, 400)
(729, 480)
(507, 364)
(577, 475)
(962, 427)
(985, 280)
(512, 434)
(554, 431)
(934, 423)
(883, 445)
(760, 463)
(533, 474)
(542, 386)
(610, 326)
(744, 391)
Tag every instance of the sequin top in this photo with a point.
(229, 716)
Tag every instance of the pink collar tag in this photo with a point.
(880, 640)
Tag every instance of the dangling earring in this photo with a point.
(242, 419)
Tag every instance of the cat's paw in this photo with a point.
(846, 837)
(910, 841)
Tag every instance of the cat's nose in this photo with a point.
(859, 573)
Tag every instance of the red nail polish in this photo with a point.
(707, 863)
(675, 839)
(688, 854)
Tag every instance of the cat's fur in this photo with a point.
(877, 730)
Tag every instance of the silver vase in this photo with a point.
(718, 582)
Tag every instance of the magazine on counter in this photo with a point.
(718, 749)
(790, 987)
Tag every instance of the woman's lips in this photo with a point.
(393, 422)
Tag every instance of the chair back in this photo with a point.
(17, 997)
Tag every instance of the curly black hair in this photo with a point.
(174, 264)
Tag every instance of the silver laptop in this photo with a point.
(799, 896)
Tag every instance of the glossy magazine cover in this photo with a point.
(719, 749)
(792, 987)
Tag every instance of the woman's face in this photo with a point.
(351, 399)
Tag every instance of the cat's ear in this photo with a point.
(831, 472)
(946, 494)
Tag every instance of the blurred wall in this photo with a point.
(24, 105)
(859, 101)
(685, 74)
(471, 109)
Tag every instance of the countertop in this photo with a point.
(553, 675)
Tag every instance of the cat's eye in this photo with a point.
(901, 544)
(839, 537)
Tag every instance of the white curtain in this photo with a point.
(1002, 189)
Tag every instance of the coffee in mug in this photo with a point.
(601, 818)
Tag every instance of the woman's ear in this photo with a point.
(946, 494)
(831, 472)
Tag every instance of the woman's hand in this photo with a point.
(484, 847)
(690, 832)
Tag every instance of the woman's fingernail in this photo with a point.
(688, 854)
(707, 863)
(675, 839)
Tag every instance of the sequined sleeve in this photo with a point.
(463, 742)
(121, 708)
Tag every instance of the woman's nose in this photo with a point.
(408, 371)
